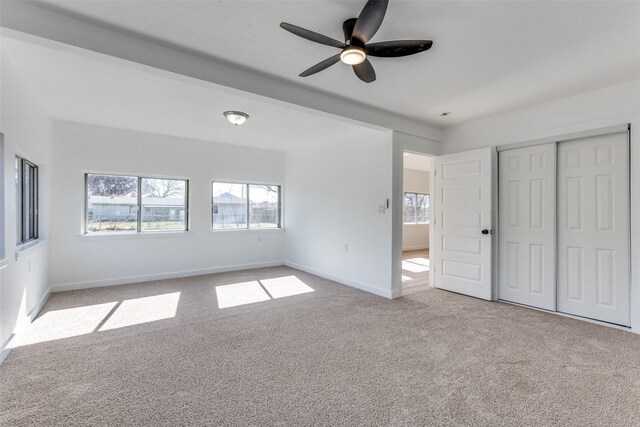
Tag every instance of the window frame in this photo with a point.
(247, 185)
(415, 219)
(33, 193)
(139, 206)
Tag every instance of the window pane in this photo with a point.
(164, 204)
(229, 205)
(26, 201)
(31, 201)
(422, 203)
(264, 206)
(112, 203)
(19, 200)
(409, 208)
(26, 175)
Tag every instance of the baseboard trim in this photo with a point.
(341, 280)
(38, 307)
(415, 248)
(5, 350)
(22, 324)
(61, 287)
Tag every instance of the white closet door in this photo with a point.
(527, 208)
(462, 223)
(593, 228)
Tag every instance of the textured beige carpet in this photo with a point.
(163, 353)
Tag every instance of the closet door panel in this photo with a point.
(593, 228)
(527, 211)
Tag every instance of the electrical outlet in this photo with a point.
(381, 208)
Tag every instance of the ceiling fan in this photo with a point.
(357, 33)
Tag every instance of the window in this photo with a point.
(242, 206)
(164, 203)
(416, 208)
(3, 211)
(118, 203)
(26, 201)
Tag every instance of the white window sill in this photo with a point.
(3, 263)
(247, 230)
(27, 248)
(135, 235)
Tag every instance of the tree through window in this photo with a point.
(117, 203)
(416, 208)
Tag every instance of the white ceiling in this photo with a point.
(98, 91)
(488, 57)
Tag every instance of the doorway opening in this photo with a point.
(416, 212)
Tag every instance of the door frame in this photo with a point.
(404, 142)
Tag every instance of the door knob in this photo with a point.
(485, 231)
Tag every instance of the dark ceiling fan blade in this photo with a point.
(347, 27)
(321, 66)
(365, 71)
(310, 35)
(395, 48)
(369, 20)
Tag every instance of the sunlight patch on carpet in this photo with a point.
(285, 286)
(70, 322)
(240, 294)
(143, 310)
(260, 290)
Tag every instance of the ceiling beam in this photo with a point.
(48, 22)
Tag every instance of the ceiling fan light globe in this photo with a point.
(353, 55)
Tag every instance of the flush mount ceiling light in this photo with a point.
(236, 117)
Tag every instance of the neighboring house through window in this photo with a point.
(244, 206)
(117, 203)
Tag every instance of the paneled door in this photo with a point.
(462, 216)
(527, 240)
(593, 228)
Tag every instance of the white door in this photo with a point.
(527, 212)
(462, 212)
(593, 226)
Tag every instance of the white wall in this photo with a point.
(27, 132)
(415, 236)
(79, 261)
(333, 196)
(606, 107)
